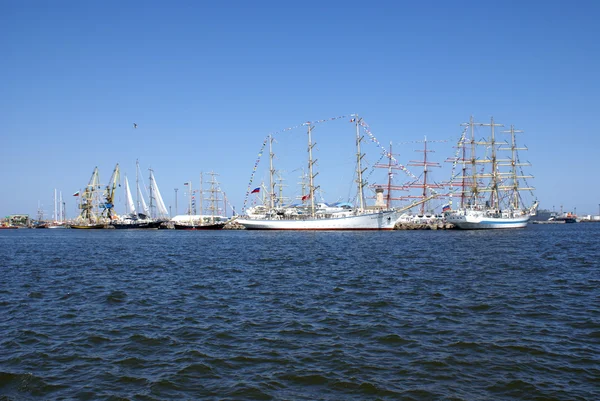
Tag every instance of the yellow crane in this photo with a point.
(109, 194)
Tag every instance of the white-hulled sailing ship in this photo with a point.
(491, 185)
(142, 216)
(211, 221)
(312, 217)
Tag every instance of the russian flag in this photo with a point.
(445, 208)
(255, 190)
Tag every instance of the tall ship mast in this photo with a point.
(201, 193)
(359, 170)
(491, 183)
(424, 182)
(272, 171)
(214, 198)
(311, 174)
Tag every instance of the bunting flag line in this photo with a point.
(304, 124)
(260, 153)
(366, 179)
(428, 141)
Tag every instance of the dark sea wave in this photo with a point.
(409, 315)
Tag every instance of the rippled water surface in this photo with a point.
(423, 315)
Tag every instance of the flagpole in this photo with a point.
(176, 189)
(190, 199)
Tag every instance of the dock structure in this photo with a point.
(424, 226)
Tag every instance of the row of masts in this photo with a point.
(213, 199)
(425, 183)
(59, 214)
(476, 181)
(274, 201)
(97, 202)
(471, 177)
(156, 207)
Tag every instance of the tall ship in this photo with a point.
(97, 204)
(493, 186)
(419, 208)
(312, 215)
(142, 216)
(213, 220)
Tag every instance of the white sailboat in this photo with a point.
(140, 217)
(311, 217)
(490, 197)
(58, 218)
(158, 210)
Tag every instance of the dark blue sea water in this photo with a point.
(404, 315)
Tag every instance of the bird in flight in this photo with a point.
(134, 125)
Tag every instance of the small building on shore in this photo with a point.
(19, 220)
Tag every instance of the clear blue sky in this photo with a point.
(207, 81)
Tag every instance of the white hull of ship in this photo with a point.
(372, 221)
(483, 221)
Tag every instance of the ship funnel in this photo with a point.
(379, 197)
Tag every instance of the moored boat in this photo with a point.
(473, 219)
(139, 218)
(139, 221)
(347, 218)
(89, 226)
(383, 220)
(7, 227)
(565, 217)
(194, 227)
(194, 222)
(504, 206)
